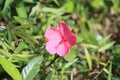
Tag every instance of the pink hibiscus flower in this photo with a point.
(60, 40)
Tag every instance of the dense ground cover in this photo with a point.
(94, 56)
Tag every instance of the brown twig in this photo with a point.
(41, 71)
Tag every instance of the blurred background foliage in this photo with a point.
(96, 55)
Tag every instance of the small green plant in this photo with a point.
(90, 42)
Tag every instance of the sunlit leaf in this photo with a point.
(104, 40)
(102, 63)
(31, 70)
(69, 6)
(106, 70)
(107, 46)
(89, 60)
(5, 53)
(10, 68)
(97, 4)
(90, 46)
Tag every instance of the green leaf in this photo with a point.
(89, 60)
(90, 46)
(7, 4)
(20, 47)
(29, 1)
(31, 70)
(102, 63)
(98, 3)
(21, 20)
(90, 25)
(69, 6)
(21, 10)
(104, 40)
(70, 63)
(10, 68)
(92, 38)
(72, 55)
(106, 70)
(21, 57)
(29, 39)
(116, 6)
(107, 46)
(10, 36)
(5, 53)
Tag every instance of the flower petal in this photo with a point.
(64, 29)
(51, 46)
(52, 33)
(71, 40)
(62, 49)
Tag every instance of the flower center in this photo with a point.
(64, 38)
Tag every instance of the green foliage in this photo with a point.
(88, 58)
(10, 68)
(96, 54)
(33, 67)
(72, 54)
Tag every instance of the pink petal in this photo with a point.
(71, 40)
(52, 33)
(64, 29)
(62, 49)
(51, 46)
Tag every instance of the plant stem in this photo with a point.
(41, 71)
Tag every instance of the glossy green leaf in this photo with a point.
(31, 70)
(10, 68)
